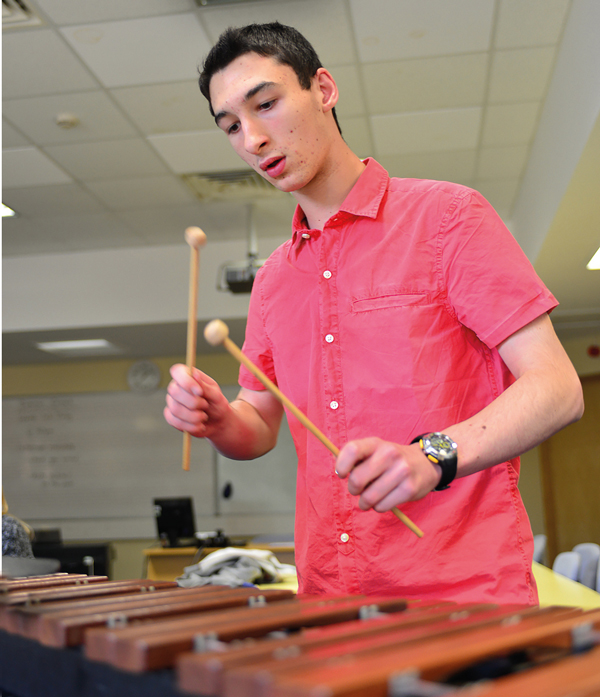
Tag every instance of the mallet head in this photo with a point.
(195, 237)
(216, 332)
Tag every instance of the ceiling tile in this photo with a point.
(530, 22)
(520, 75)
(107, 160)
(502, 163)
(318, 21)
(30, 167)
(426, 131)
(61, 199)
(356, 133)
(352, 99)
(169, 108)
(414, 28)
(426, 83)
(140, 51)
(26, 70)
(202, 151)
(80, 11)
(501, 194)
(99, 118)
(11, 138)
(455, 166)
(146, 192)
(510, 124)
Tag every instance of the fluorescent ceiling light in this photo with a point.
(7, 212)
(594, 263)
(88, 347)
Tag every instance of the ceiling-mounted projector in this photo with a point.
(238, 277)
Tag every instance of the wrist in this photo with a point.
(442, 452)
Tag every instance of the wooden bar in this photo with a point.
(151, 647)
(257, 679)
(368, 676)
(577, 675)
(203, 673)
(207, 641)
(81, 591)
(30, 582)
(22, 619)
(60, 631)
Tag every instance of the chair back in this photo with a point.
(567, 564)
(590, 558)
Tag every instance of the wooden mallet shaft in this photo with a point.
(217, 332)
(196, 238)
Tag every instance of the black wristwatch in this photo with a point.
(443, 451)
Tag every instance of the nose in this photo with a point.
(254, 137)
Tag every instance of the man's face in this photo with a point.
(275, 126)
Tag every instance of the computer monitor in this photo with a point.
(175, 521)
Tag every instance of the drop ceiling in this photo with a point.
(460, 90)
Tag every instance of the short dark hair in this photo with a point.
(285, 44)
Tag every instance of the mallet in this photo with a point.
(196, 238)
(217, 332)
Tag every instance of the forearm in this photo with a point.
(242, 434)
(545, 398)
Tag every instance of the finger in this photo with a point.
(189, 417)
(352, 453)
(392, 488)
(178, 423)
(189, 383)
(183, 397)
(382, 458)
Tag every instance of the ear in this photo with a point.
(328, 90)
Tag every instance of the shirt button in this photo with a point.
(329, 338)
(334, 405)
(327, 274)
(305, 236)
(344, 537)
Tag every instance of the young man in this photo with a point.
(399, 308)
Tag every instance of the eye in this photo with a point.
(264, 106)
(234, 128)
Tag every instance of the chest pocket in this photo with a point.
(387, 301)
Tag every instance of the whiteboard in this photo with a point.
(98, 456)
(267, 483)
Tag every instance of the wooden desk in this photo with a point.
(167, 563)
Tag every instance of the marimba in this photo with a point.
(77, 636)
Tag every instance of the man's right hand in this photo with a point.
(195, 403)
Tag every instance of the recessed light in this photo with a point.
(594, 263)
(7, 212)
(86, 347)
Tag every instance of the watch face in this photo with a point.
(439, 445)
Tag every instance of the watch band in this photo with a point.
(447, 465)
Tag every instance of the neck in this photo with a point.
(325, 194)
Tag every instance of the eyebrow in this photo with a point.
(249, 94)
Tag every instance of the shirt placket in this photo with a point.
(335, 407)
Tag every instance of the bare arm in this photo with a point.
(545, 397)
(243, 429)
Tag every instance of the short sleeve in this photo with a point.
(491, 285)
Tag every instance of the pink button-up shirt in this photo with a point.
(385, 324)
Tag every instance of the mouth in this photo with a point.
(273, 166)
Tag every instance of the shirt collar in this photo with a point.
(364, 198)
